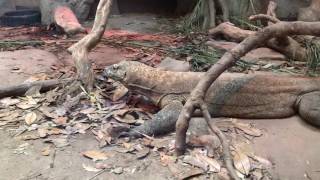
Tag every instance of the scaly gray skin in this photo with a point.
(253, 96)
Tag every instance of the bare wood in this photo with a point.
(224, 142)
(81, 49)
(271, 11)
(21, 89)
(212, 12)
(196, 98)
(285, 45)
(271, 19)
(225, 10)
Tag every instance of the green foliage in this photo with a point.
(194, 21)
(313, 57)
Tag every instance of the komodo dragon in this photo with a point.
(253, 96)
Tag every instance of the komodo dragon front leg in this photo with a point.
(163, 122)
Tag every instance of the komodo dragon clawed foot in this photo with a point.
(162, 123)
(247, 96)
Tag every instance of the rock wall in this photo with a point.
(80, 7)
(6, 5)
(287, 9)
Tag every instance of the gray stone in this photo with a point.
(170, 64)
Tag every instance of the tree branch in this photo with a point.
(81, 49)
(224, 142)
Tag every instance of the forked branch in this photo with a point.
(81, 49)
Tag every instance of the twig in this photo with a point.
(224, 142)
(53, 157)
(98, 174)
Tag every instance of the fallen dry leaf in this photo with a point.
(181, 172)
(127, 118)
(244, 147)
(119, 92)
(60, 120)
(58, 142)
(13, 116)
(6, 102)
(25, 105)
(47, 111)
(248, 129)
(43, 132)
(214, 165)
(242, 162)
(30, 118)
(165, 159)
(195, 162)
(88, 111)
(54, 131)
(142, 153)
(5, 113)
(265, 162)
(45, 151)
(95, 155)
(90, 168)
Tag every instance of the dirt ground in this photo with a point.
(290, 144)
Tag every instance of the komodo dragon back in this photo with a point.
(236, 95)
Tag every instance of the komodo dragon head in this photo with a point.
(151, 82)
(119, 71)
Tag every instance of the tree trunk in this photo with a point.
(81, 49)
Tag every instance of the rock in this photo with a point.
(170, 64)
(66, 19)
(81, 8)
(260, 55)
(47, 8)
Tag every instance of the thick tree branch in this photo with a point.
(283, 44)
(81, 49)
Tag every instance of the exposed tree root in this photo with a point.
(283, 44)
(21, 89)
(81, 49)
(224, 142)
(281, 29)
